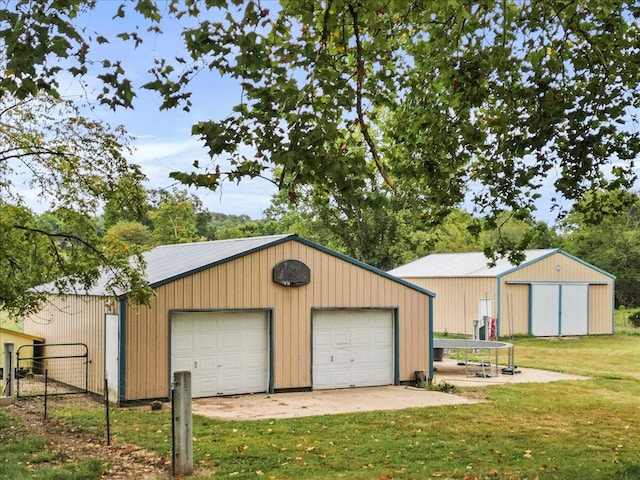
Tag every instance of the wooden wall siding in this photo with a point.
(246, 283)
(457, 298)
(77, 319)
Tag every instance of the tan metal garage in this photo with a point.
(551, 293)
(271, 313)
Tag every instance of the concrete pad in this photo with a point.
(322, 402)
(366, 399)
(474, 375)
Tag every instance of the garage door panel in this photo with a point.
(322, 339)
(207, 362)
(380, 336)
(253, 363)
(253, 382)
(228, 351)
(207, 385)
(341, 337)
(183, 343)
(380, 357)
(340, 357)
(348, 345)
(379, 375)
(361, 356)
(254, 339)
(231, 361)
(183, 363)
(231, 341)
(322, 359)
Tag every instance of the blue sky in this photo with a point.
(162, 139)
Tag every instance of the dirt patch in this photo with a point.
(120, 461)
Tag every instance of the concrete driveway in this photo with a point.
(329, 402)
(322, 402)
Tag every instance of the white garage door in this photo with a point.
(226, 352)
(352, 348)
(559, 309)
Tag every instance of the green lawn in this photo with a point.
(561, 430)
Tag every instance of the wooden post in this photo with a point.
(182, 425)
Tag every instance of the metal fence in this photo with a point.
(52, 369)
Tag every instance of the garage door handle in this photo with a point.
(195, 364)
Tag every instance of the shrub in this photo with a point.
(634, 318)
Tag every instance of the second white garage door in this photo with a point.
(226, 352)
(352, 348)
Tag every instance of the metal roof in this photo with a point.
(468, 264)
(167, 263)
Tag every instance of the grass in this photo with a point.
(584, 429)
(575, 429)
(27, 457)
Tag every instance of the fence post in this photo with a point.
(182, 424)
(8, 374)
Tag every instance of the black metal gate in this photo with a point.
(52, 369)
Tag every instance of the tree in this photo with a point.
(211, 223)
(383, 230)
(439, 100)
(130, 233)
(174, 219)
(129, 203)
(73, 164)
(612, 244)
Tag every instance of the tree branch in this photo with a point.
(360, 74)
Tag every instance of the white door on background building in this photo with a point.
(352, 348)
(559, 309)
(545, 310)
(484, 308)
(226, 352)
(574, 310)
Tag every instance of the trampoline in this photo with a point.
(468, 345)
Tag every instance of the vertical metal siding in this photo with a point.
(456, 304)
(246, 282)
(513, 318)
(74, 319)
